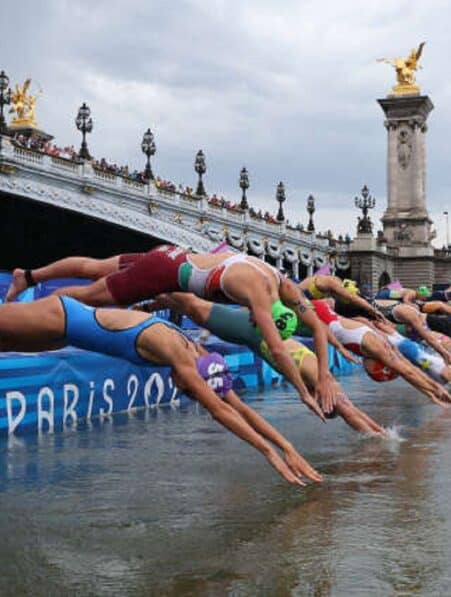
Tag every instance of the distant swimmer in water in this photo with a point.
(53, 322)
(386, 361)
(236, 326)
(223, 277)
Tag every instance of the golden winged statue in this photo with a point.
(405, 69)
(24, 106)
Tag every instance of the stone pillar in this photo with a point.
(406, 220)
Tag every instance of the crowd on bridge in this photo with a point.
(36, 143)
(116, 170)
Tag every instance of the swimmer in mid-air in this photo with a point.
(346, 291)
(432, 364)
(236, 326)
(386, 363)
(53, 322)
(417, 329)
(403, 295)
(223, 277)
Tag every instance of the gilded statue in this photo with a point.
(24, 106)
(405, 71)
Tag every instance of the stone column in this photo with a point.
(406, 222)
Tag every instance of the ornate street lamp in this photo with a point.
(148, 148)
(311, 210)
(244, 184)
(200, 167)
(365, 203)
(84, 125)
(280, 196)
(5, 99)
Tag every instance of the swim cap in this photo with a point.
(423, 291)
(350, 286)
(284, 318)
(213, 368)
(378, 371)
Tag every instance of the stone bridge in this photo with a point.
(189, 221)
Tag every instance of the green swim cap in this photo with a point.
(423, 291)
(284, 318)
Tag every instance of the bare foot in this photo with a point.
(18, 285)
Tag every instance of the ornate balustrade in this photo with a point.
(172, 216)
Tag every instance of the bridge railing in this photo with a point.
(213, 219)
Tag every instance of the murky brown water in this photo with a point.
(168, 503)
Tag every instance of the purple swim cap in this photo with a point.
(213, 368)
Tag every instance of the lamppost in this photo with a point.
(5, 99)
(148, 148)
(365, 203)
(200, 167)
(280, 196)
(445, 213)
(311, 210)
(84, 125)
(244, 184)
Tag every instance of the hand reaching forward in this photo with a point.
(283, 469)
(312, 404)
(325, 393)
(300, 466)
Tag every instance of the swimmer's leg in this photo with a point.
(96, 294)
(70, 267)
(35, 326)
(187, 304)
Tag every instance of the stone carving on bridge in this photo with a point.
(405, 71)
(403, 233)
(404, 147)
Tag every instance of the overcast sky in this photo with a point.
(287, 89)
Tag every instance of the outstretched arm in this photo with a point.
(282, 359)
(416, 322)
(339, 346)
(341, 293)
(189, 380)
(293, 297)
(294, 460)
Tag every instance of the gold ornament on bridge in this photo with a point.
(24, 106)
(405, 69)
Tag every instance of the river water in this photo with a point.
(168, 503)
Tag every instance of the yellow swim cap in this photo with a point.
(350, 286)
